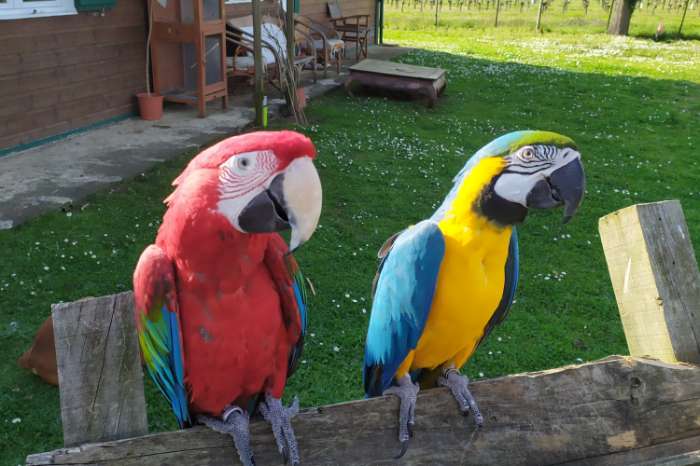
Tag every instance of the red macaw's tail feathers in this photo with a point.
(158, 327)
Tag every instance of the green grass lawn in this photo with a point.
(632, 105)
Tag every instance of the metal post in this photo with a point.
(539, 16)
(685, 10)
(612, 6)
(257, 56)
(290, 32)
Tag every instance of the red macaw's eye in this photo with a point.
(242, 173)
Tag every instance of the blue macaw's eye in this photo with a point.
(526, 154)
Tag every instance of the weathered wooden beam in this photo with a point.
(656, 280)
(99, 370)
(618, 408)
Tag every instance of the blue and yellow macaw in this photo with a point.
(444, 283)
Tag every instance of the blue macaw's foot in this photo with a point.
(459, 386)
(280, 419)
(235, 422)
(407, 391)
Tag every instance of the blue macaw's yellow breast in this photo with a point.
(471, 278)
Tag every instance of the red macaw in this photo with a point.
(220, 302)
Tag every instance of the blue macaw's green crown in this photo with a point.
(509, 143)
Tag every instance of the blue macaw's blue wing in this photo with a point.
(512, 273)
(402, 302)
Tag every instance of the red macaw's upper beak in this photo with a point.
(293, 199)
(565, 185)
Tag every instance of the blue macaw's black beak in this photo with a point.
(266, 212)
(565, 185)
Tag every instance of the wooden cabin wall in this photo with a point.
(65, 72)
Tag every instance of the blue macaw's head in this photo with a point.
(542, 170)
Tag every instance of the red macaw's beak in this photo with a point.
(565, 185)
(293, 199)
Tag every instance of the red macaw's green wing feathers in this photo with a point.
(292, 291)
(158, 328)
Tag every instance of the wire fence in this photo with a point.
(658, 16)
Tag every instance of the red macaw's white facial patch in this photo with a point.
(243, 173)
(241, 178)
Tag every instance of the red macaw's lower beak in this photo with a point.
(565, 185)
(293, 200)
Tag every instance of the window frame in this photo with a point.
(22, 9)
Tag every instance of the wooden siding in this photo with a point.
(65, 72)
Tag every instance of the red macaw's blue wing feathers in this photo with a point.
(291, 287)
(299, 287)
(402, 302)
(158, 328)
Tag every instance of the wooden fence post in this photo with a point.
(99, 370)
(656, 280)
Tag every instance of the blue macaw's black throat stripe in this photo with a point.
(497, 209)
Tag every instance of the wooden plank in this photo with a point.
(126, 12)
(618, 404)
(81, 38)
(99, 370)
(655, 278)
(401, 70)
(24, 64)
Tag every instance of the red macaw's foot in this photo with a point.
(280, 418)
(459, 386)
(235, 423)
(407, 391)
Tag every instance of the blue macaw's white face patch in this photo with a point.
(529, 165)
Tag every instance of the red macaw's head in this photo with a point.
(266, 182)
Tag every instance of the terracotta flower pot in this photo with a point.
(150, 106)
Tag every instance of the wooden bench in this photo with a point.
(412, 79)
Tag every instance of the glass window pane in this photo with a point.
(212, 10)
(212, 49)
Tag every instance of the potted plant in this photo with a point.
(150, 104)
